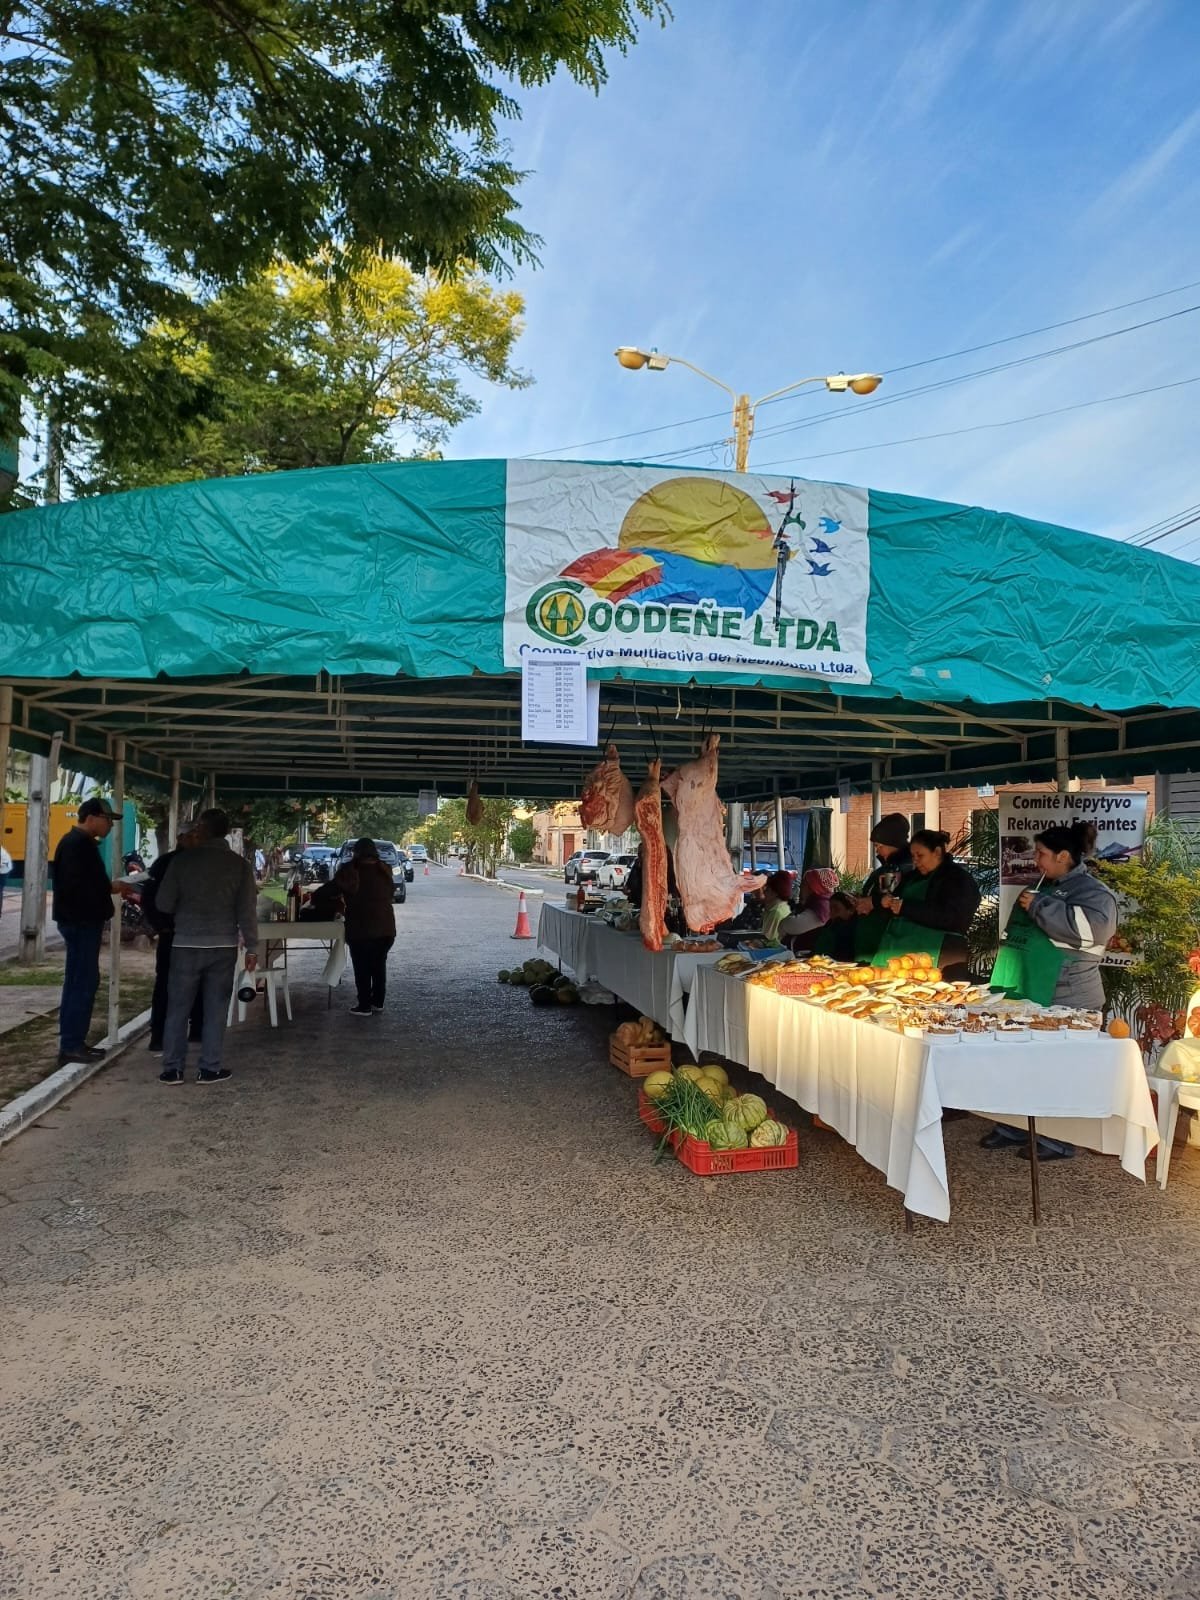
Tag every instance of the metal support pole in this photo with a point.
(116, 862)
(173, 809)
(735, 834)
(210, 791)
(32, 946)
(933, 808)
(6, 703)
(876, 792)
(779, 827)
(1062, 763)
(1033, 1172)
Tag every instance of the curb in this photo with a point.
(497, 883)
(18, 1114)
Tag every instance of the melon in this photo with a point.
(722, 1135)
(503, 977)
(746, 1112)
(768, 1133)
(656, 1085)
(692, 1073)
(712, 1070)
(541, 994)
(714, 1090)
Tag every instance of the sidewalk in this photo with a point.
(10, 925)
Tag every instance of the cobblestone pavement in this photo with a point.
(405, 1310)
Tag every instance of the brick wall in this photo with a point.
(954, 807)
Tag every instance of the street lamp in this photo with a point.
(634, 359)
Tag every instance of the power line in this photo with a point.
(1164, 526)
(981, 427)
(944, 383)
(912, 366)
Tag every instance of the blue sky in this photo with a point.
(781, 188)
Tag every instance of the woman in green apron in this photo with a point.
(933, 910)
(890, 838)
(1053, 946)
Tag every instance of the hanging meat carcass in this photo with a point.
(648, 816)
(607, 801)
(474, 805)
(708, 885)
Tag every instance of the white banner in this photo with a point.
(1119, 815)
(656, 567)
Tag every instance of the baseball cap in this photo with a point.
(99, 808)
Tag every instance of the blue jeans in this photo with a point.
(80, 982)
(206, 974)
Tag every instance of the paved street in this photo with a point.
(405, 1310)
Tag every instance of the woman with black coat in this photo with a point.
(370, 926)
(942, 896)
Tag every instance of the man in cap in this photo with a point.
(82, 905)
(212, 896)
(890, 838)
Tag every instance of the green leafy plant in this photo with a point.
(1161, 921)
(522, 840)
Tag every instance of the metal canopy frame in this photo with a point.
(273, 735)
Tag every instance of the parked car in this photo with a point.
(406, 862)
(615, 870)
(316, 863)
(583, 866)
(418, 852)
(390, 857)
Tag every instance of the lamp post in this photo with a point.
(634, 359)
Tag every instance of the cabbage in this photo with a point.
(747, 1111)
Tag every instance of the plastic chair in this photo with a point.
(1188, 1096)
(275, 982)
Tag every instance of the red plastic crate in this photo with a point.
(701, 1158)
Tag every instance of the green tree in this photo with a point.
(522, 840)
(299, 369)
(145, 147)
(378, 817)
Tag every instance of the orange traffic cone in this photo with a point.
(523, 930)
(427, 869)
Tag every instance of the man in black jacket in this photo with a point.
(82, 905)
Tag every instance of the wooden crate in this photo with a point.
(639, 1060)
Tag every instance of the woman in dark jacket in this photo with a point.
(370, 926)
(942, 897)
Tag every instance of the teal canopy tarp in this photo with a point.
(399, 569)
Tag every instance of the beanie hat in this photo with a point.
(891, 830)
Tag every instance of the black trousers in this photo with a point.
(369, 957)
(158, 1001)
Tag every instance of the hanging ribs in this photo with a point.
(648, 816)
(708, 885)
(607, 802)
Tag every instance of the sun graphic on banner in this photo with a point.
(686, 540)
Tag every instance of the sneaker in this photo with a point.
(360, 1011)
(376, 1008)
(92, 1053)
(218, 1076)
(171, 1075)
(155, 1047)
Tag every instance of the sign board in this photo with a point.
(650, 567)
(558, 704)
(1119, 815)
(427, 802)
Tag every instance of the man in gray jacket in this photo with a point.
(212, 896)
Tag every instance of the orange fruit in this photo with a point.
(1118, 1029)
(896, 964)
(908, 964)
(923, 959)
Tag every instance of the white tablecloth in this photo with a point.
(884, 1092)
(654, 982)
(332, 934)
